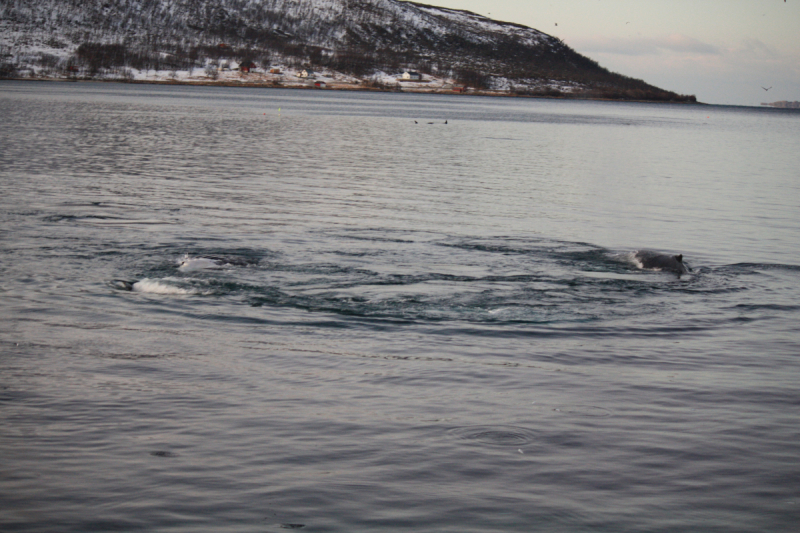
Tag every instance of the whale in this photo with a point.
(199, 263)
(122, 284)
(663, 262)
(212, 262)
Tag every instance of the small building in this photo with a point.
(274, 71)
(305, 73)
(411, 76)
(246, 66)
(459, 89)
(320, 84)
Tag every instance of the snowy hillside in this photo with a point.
(358, 38)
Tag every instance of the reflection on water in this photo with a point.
(215, 316)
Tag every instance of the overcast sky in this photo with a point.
(722, 51)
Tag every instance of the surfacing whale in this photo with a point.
(122, 284)
(658, 261)
(212, 262)
(199, 263)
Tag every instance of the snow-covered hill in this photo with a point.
(353, 37)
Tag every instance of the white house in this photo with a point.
(305, 73)
(411, 76)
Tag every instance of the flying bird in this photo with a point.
(766, 88)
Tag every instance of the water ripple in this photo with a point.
(495, 435)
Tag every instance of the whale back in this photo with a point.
(657, 261)
(122, 284)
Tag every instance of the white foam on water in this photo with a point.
(630, 257)
(155, 286)
(612, 275)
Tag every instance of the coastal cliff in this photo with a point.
(358, 43)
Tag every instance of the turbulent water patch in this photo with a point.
(385, 276)
(161, 286)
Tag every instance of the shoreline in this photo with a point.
(344, 86)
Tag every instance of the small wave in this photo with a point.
(60, 218)
(766, 307)
(155, 286)
(586, 411)
(162, 453)
(753, 267)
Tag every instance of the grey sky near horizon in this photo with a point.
(722, 51)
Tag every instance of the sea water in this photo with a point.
(229, 309)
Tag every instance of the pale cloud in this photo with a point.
(755, 49)
(730, 73)
(638, 46)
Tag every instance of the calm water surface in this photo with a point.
(257, 310)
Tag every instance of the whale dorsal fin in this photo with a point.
(679, 258)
